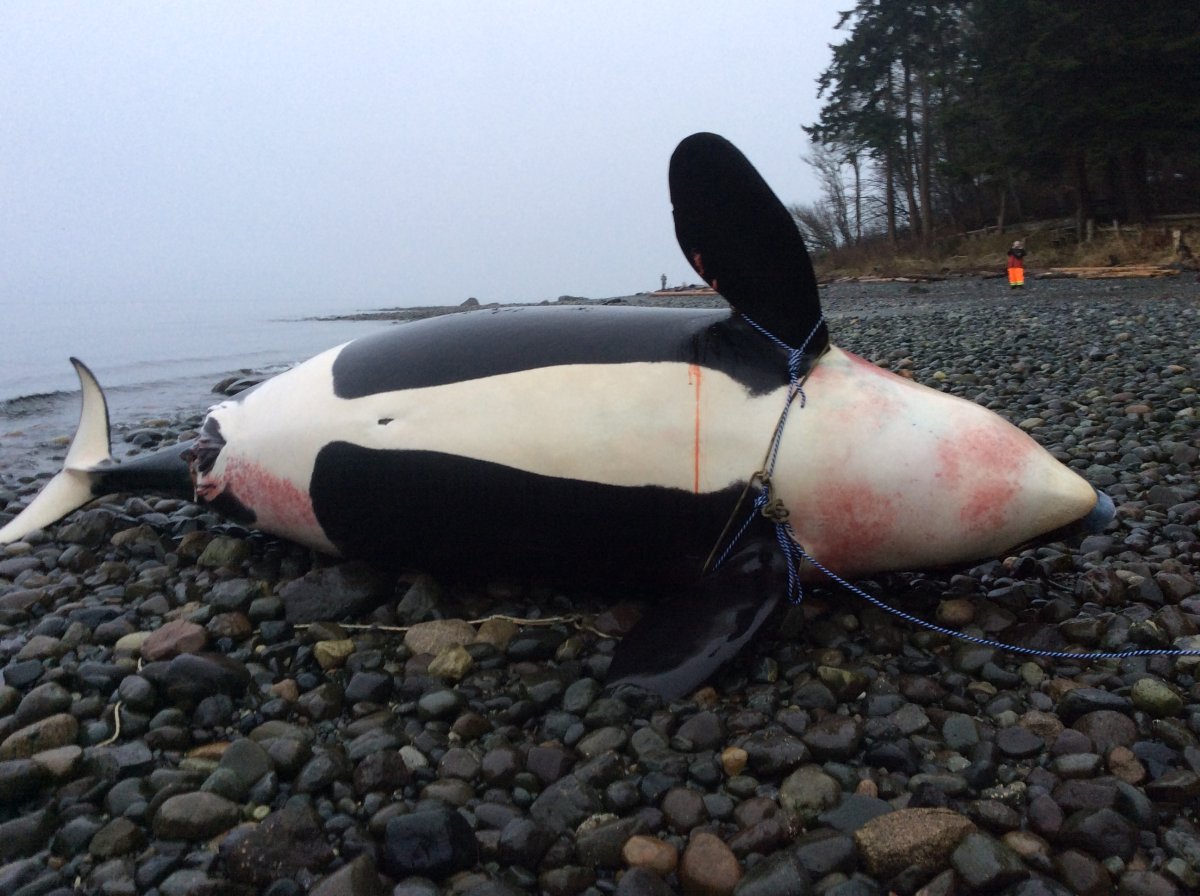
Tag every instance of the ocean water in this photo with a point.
(152, 360)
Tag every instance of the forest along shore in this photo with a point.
(189, 707)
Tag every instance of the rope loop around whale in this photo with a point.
(770, 506)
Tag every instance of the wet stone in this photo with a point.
(549, 762)
(1019, 742)
(683, 809)
(1082, 874)
(381, 771)
(708, 867)
(174, 638)
(1146, 883)
(118, 837)
(703, 730)
(1156, 698)
(356, 878)
(564, 804)
(535, 645)
(246, 760)
(432, 844)
(452, 664)
(1179, 786)
(440, 704)
(134, 758)
(834, 737)
(324, 768)
(1101, 832)
(19, 778)
(344, 590)
(925, 838)
(651, 853)
(910, 719)
(1123, 764)
(459, 763)
(606, 711)
(1045, 815)
(853, 812)
(1091, 795)
(773, 752)
(1107, 729)
(566, 880)
(369, 687)
(986, 864)
(189, 678)
(1081, 701)
(1070, 741)
(599, 844)
(579, 695)
(808, 792)
(960, 732)
(523, 842)
(194, 816)
(45, 734)
(224, 552)
(332, 654)
(602, 740)
(288, 841)
(42, 701)
(824, 851)
(781, 874)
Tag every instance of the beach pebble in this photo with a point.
(194, 816)
(431, 844)
(925, 838)
(708, 867)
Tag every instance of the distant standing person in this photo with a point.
(664, 281)
(1016, 265)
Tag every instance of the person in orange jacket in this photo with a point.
(1016, 265)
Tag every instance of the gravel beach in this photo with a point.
(187, 707)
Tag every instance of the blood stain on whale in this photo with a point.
(857, 519)
(270, 495)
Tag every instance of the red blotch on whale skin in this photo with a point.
(276, 501)
(983, 465)
(855, 521)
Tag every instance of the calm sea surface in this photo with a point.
(152, 359)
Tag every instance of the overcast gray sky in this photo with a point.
(362, 154)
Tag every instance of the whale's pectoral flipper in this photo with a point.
(743, 241)
(89, 469)
(679, 644)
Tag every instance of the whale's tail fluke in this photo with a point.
(89, 469)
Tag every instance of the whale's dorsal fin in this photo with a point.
(739, 237)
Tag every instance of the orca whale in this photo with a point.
(615, 444)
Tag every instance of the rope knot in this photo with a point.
(775, 511)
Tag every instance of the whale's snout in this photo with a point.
(1093, 522)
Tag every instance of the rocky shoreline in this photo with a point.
(191, 708)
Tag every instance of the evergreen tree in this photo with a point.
(972, 110)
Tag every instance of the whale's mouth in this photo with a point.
(201, 456)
